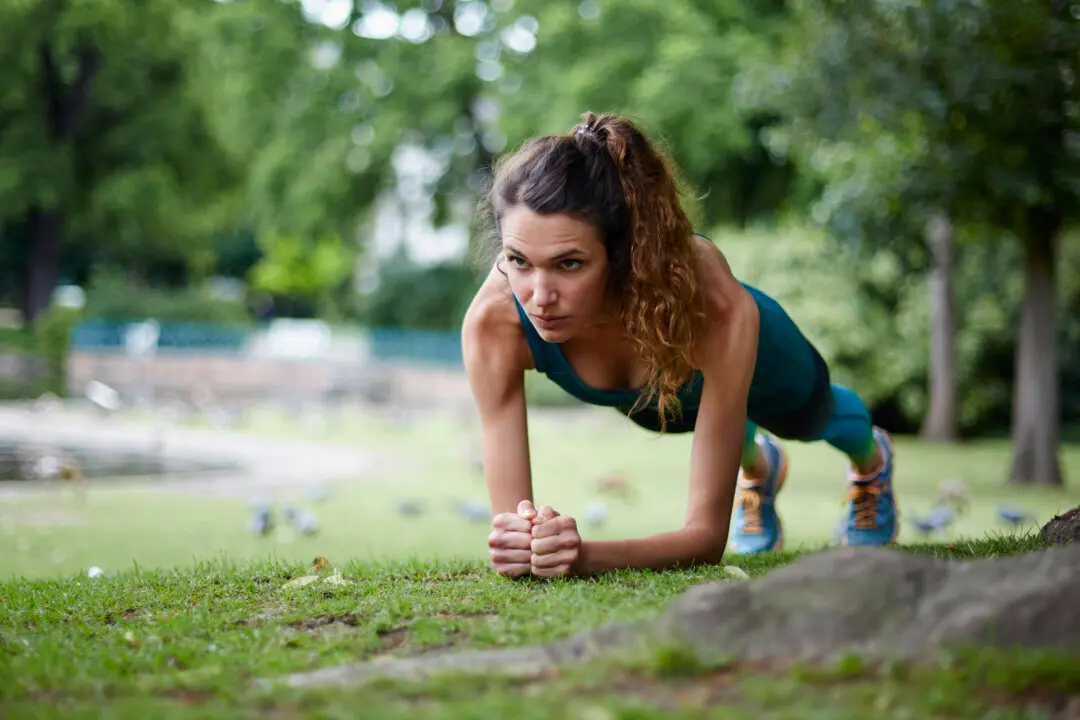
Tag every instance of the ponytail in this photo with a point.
(661, 298)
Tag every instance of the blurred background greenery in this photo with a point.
(903, 176)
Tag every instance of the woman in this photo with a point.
(601, 283)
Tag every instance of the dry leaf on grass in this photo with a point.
(735, 573)
(333, 578)
(301, 581)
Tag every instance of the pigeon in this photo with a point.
(596, 514)
(303, 521)
(261, 522)
(410, 508)
(939, 518)
(1014, 515)
(473, 510)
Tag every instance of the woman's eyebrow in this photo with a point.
(561, 256)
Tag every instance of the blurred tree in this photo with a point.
(950, 109)
(308, 271)
(103, 141)
(410, 295)
(677, 66)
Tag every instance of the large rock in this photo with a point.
(885, 604)
(1063, 529)
(878, 603)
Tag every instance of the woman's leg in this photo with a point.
(871, 510)
(872, 515)
(788, 366)
(754, 463)
(756, 526)
(851, 431)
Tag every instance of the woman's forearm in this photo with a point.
(682, 548)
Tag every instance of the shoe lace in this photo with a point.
(750, 500)
(864, 498)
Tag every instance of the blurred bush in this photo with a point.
(52, 332)
(34, 358)
(111, 295)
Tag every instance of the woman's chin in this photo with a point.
(558, 335)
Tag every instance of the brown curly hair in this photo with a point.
(606, 171)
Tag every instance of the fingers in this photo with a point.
(506, 556)
(552, 527)
(550, 545)
(554, 565)
(514, 570)
(511, 522)
(509, 540)
(538, 542)
(545, 514)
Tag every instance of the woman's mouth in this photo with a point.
(549, 322)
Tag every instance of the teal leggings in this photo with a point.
(792, 395)
(849, 429)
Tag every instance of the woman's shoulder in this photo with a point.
(721, 292)
(491, 323)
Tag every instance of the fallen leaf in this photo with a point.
(319, 564)
(336, 579)
(735, 573)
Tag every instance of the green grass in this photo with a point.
(55, 533)
(191, 643)
(193, 609)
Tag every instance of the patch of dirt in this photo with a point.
(189, 697)
(1062, 529)
(319, 622)
(269, 613)
(1058, 704)
(669, 694)
(129, 615)
(393, 638)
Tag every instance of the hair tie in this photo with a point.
(586, 131)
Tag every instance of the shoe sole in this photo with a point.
(780, 478)
(896, 505)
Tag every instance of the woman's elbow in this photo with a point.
(709, 544)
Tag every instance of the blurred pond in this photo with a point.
(24, 461)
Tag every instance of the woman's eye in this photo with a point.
(516, 262)
(571, 264)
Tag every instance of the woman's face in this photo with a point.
(558, 269)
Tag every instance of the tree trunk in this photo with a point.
(65, 110)
(42, 233)
(940, 422)
(1036, 411)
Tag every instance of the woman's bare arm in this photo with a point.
(727, 358)
(496, 356)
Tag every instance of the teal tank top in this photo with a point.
(550, 360)
(785, 371)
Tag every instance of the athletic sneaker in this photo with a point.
(871, 509)
(756, 527)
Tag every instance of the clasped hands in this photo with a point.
(541, 542)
